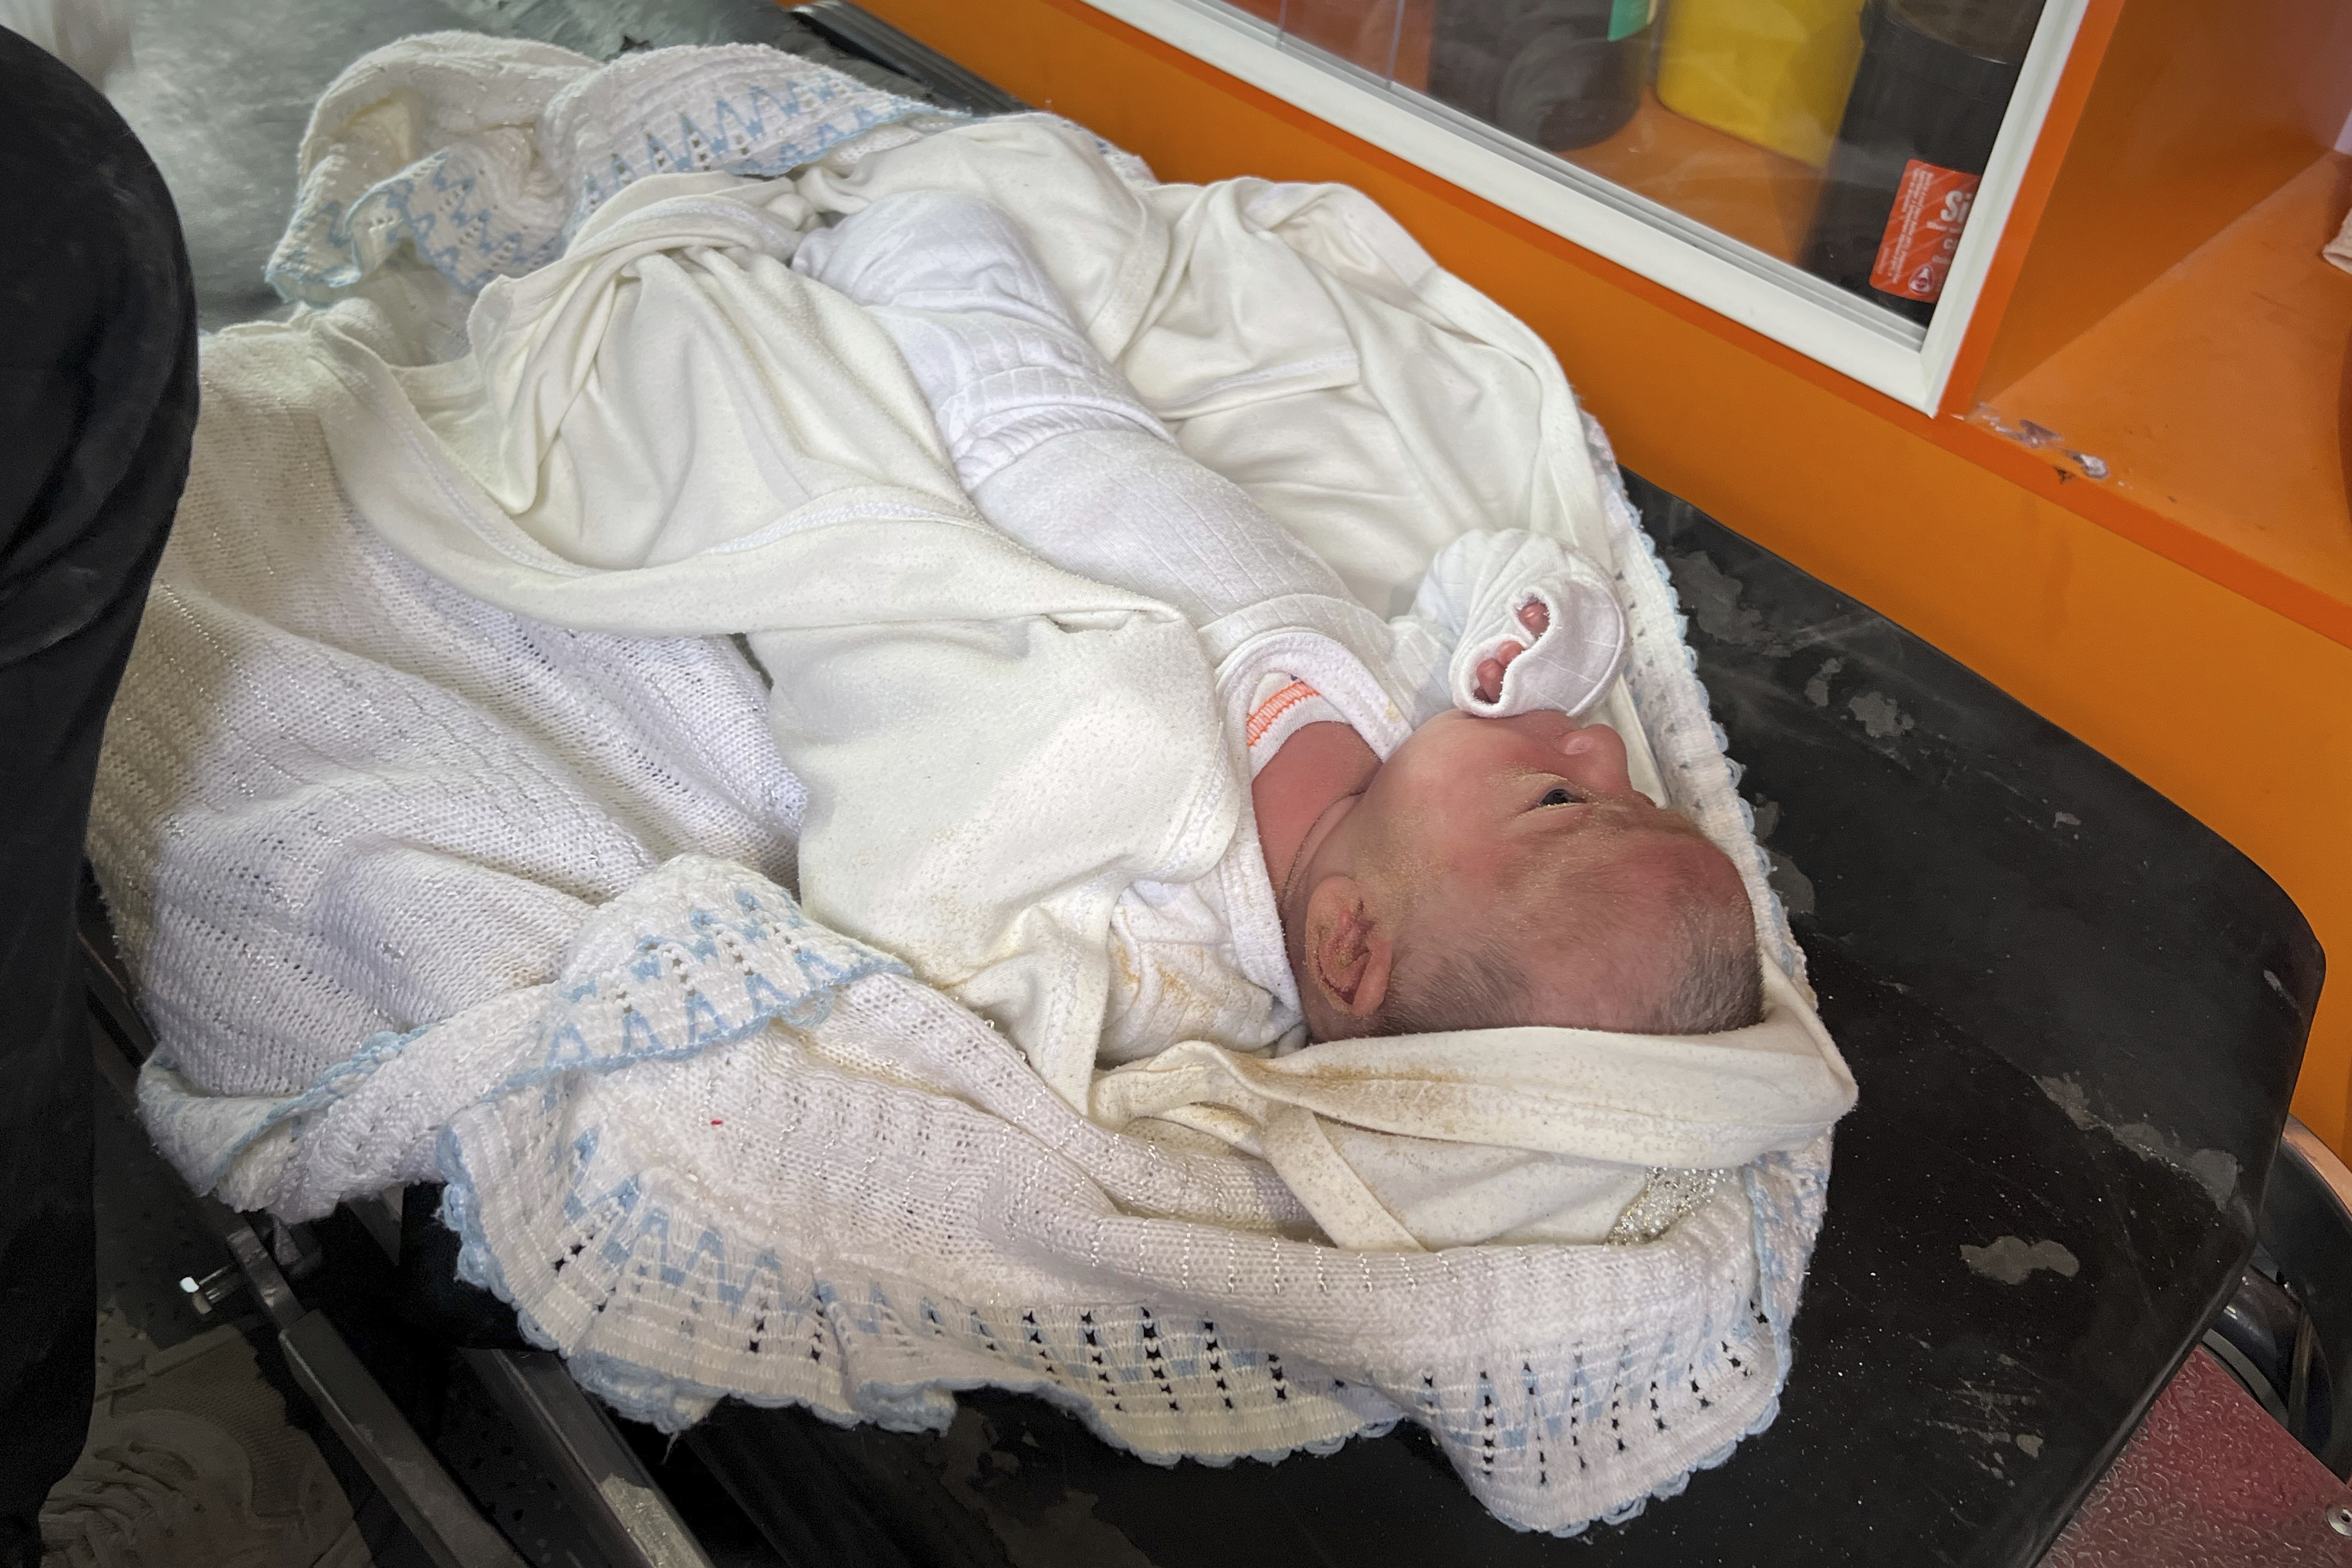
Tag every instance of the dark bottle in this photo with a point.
(1556, 73)
(1928, 100)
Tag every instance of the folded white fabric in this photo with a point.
(708, 1144)
(1064, 457)
(723, 1151)
(1060, 452)
(340, 796)
(1002, 368)
(671, 431)
(1591, 1117)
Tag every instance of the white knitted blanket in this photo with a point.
(415, 888)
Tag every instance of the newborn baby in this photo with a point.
(1491, 866)
(1495, 872)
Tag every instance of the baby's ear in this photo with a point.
(1348, 954)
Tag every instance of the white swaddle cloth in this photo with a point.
(705, 1146)
(1060, 455)
(1058, 450)
(670, 431)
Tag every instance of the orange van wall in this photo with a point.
(2202, 111)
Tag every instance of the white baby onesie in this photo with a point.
(1059, 451)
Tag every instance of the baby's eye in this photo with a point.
(1557, 797)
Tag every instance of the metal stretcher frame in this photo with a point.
(2075, 1015)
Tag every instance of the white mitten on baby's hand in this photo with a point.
(1567, 666)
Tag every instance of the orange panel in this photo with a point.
(2234, 711)
(2059, 121)
(2213, 394)
(2201, 110)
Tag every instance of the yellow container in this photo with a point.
(1774, 72)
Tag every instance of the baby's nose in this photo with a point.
(1598, 755)
(1578, 739)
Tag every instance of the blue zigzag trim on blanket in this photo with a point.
(329, 1087)
(672, 1403)
(442, 214)
(426, 206)
(566, 1047)
(736, 150)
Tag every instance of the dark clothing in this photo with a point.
(98, 406)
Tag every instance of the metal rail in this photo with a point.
(631, 1521)
(856, 31)
(433, 1506)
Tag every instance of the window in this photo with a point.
(1834, 173)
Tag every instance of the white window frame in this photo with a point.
(1874, 346)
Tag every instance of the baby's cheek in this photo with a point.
(1470, 862)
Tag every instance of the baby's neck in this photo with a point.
(1316, 768)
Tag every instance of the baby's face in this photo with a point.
(1528, 829)
(1467, 798)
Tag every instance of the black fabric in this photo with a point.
(428, 1295)
(97, 404)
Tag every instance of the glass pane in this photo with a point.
(1844, 137)
(1366, 33)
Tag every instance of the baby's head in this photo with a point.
(1505, 871)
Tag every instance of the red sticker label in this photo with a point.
(1931, 208)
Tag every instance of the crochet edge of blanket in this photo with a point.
(671, 1403)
